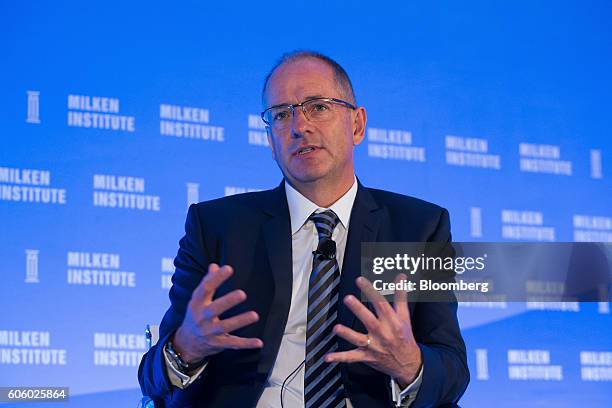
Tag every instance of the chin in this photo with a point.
(306, 178)
(308, 175)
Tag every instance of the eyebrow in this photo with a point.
(315, 96)
(305, 99)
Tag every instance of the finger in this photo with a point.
(363, 313)
(352, 356)
(239, 321)
(383, 308)
(350, 335)
(401, 300)
(224, 303)
(211, 282)
(235, 342)
(198, 293)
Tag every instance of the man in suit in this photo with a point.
(281, 323)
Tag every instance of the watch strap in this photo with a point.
(181, 364)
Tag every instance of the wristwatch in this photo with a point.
(183, 366)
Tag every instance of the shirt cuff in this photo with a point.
(177, 378)
(404, 397)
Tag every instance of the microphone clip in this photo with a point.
(326, 249)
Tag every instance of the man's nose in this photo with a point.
(299, 123)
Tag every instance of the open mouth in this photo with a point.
(305, 150)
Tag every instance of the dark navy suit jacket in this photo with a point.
(252, 233)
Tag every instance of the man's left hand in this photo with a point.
(389, 346)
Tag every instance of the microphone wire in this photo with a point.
(294, 372)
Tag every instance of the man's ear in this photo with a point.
(359, 125)
(269, 134)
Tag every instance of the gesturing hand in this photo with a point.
(202, 333)
(389, 346)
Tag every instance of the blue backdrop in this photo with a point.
(115, 116)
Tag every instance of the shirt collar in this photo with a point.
(300, 207)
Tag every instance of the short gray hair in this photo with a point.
(341, 77)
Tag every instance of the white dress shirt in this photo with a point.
(304, 240)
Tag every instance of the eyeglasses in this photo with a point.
(279, 117)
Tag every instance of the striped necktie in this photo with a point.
(322, 383)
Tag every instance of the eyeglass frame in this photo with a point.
(301, 105)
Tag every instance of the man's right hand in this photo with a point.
(202, 333)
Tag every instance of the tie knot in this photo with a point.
(325, 222)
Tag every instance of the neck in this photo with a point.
(322, 192)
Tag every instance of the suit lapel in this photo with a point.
(366, 218)
(277, 238)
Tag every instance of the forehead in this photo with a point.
(296, 80)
